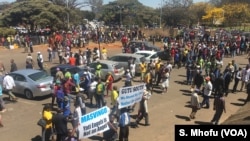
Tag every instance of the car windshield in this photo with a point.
(144, 54)
(38, 76)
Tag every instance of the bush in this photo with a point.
(7, 31)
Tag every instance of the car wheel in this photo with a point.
(28, 94)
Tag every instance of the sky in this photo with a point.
(150, 3)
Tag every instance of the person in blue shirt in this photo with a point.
(124, 122)
(76, 78)
(59, 97)
(66, 106)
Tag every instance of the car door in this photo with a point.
(21, 83)
(123, 60)
(104, 71)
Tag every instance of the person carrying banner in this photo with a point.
(124, 122)
(112, 133)
(109, 82)
(143, 109)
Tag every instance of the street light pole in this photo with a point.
(120, 11)
(98, 40)
(161, 13)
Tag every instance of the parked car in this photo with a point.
(31, 83)
(123, 58)
(149, 55)
(72, 69)
(116, 69)
(164, 55)
(138, 44)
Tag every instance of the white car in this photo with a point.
(149, 55)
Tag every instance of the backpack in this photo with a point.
(100, 89)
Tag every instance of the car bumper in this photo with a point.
(42, 92)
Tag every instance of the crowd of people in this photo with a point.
(202, 60)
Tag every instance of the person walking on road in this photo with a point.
(40, 60)
(143, 109)
(207, 92)
(195, 103)
(219, 107)
(13, 66)
(59, 122)
(8, 85)
(124, 122)
(100, 89)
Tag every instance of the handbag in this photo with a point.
(42, 122)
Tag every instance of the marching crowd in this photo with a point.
(203, 62)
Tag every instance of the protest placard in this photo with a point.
(130, 95)
(94, 123)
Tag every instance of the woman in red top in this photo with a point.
(109, 82)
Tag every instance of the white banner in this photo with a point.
(130, 95)
(94, 123)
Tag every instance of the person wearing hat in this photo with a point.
(194, 103)
(109, 82)
(59, 74)
(40, 60)
(207, 92)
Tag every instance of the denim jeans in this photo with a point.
(205, 101)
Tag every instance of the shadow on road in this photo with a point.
(186, 91)
(37, 138)
(188, 106)
(203, 123)
(237, 104)
(182, 75)
(183, 117)
(96, 138)
(247, 118)
(180, 82)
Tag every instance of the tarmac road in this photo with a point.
(165, 111)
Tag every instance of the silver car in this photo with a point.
(123, 58)
(31, 83)
(116, 70)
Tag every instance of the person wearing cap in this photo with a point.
(194, 103)
(207, 92)
(40, 60)
(59, 74)
(109, 82)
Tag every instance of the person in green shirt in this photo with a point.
(98, 70)
(100, 89)
(207, 67)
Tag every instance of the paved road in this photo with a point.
(165, 111)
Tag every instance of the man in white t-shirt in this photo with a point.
(8, 85)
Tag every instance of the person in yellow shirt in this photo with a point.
(114, 102)
(104, 53)
(148, 80)
(143, 69)
(47, 116)
(157, 70)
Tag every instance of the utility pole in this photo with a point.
(161, 13)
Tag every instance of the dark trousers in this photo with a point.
(226, 88)
(217, 116)
(124, 133)
(60, 137)
(40, 65)
(158, 80)
(236, 82)
(142, 114)
(205, 101)
(31, 49)
(194, 111)
(100, 100)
